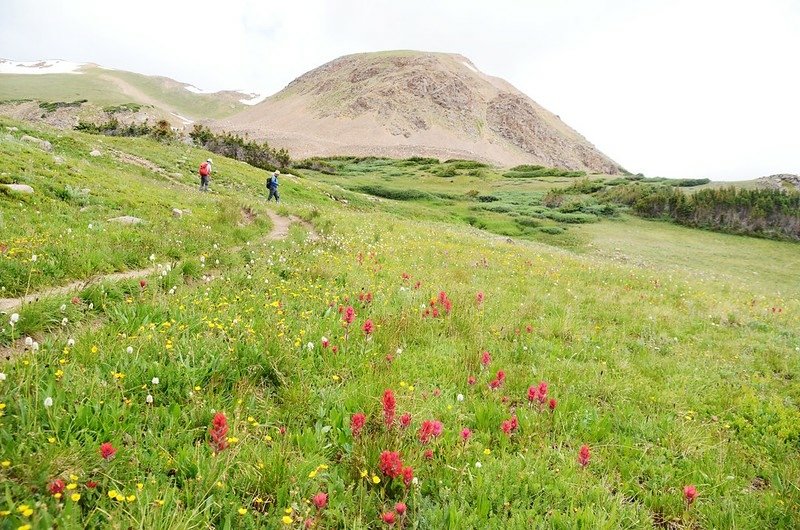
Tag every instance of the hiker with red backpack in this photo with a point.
(205, 172)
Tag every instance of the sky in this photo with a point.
(675, 88)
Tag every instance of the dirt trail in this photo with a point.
(280, 230)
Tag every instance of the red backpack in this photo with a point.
(204, 170)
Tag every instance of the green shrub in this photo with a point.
(552, 230)
(393, 193)
(52, 106)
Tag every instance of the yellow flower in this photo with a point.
(131, 498)
(94, 349)
(197, 388)
(286, 520)
(57, 495)
(24, 527)
(336, 377)
(242, 511)
(3, 513)
(75, 497)
(28, 512)
(487, 451)
(363, 473)
(2, 406)
(112, 493)
(288, 510)
(376, 479)
(71, 486)
(5, 463)
(232, 440)
(312, 474)
(159, 502)
(73, 477)
(139, 486)
(51, 440)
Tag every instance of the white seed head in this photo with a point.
(149, 399)
(460, 397)
(155, 381)
(129, 349)
(71, 343)
(48, 402)
(14, 318)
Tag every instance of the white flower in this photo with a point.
(34, 258)
(216, 246)
(129, 349)
(64, 321)
(14, 318)
(71, 343)
(149, 399)
(35, 346)
(152, 257)
(398, 351)
(155, 381)
(91, 306)
(2, 376)
(202, 259)
(216, 262)
(48, 402)
(63, 307)
(91, 226)
(415, 481)
(310, 346)
(478, 465)
(28, 342)
(460, 397)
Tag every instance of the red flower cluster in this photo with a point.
(349, 315)
(538, 393)
(391, 465)
(479, 297)
(365, 298)
(552, 403)
(408, 475)
(388, 407)
(433, 310)
(368, 327)
(486, 358)
(471, 380)
(57, 486)
(320, 500)
(498, 381)
(466, 434)
(218, 431)
(690, 494)
(107, 450)
(428, 454)
(430, 429)
(388, 518)
(357, 423)
(584, 455)
(405, 420)
(400, 508)
(509, 426)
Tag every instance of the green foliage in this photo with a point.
(125, 107)
(533, 171)
(233, 146)
(55, 105)
(392, 193)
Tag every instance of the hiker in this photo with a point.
(205, 172)
(272, 186)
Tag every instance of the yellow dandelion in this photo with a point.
(28, 512)
(24, 527)
(376, 479)
(286, 520)
(487, 451)
(112, 493)
(130, 498)
(242, 511)
(71, 486)
(75, 497)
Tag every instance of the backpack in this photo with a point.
(270, 181)
(204, 169)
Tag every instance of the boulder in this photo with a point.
(58, 160)
(12, 129)
(177, 213)
(95, 152)
(43, 144)
(20, 188)
(126, 220)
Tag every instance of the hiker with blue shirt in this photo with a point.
(272, 186)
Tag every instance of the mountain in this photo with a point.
(63, 81)
(407, 103)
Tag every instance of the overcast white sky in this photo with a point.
(679, 88)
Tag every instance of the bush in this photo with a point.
(52, 106)
(487, 198)
(552, 230)
(392, 193)
(233, 146)
(315, 164)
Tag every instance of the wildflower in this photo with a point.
(357, 423)
(28, 342)
(349, 315)
(219, 428)
(107, 450)
(584, 455)
(388, 407)
(75, 497)
(149, 399)
(325, 342)
(390, 463)
(430, 429)
(367, 327)
(689, 494)
(471, 380)
(91, 484)
(155, 381)
(479, 297)
(408, 475)
(48, 402)
(14, 319)
(388, 518)
(542, 392)
(143, 283)
(552, 403)
(129, 350)
(376, 479)
(56, 486)
(428, 454)
(466, 434)
(478, 465)
(510, 425)
(287, 520)
(460, 397)
(71, 343)
(400, 508)
(320, 500)
(242, 511)
(2, 376)
(486, 358)
(405, 420)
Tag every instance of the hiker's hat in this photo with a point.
(277, 172)
(209, 160)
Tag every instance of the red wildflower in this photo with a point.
(417, 285)
(107, 450)
(486, 358)
(391, 465)
(533, 392)
(91, 484)
(479, 297)
(437, 392)
(388, 407)
(584, 455)
(471, 380)
(57, 486)
(690, 494)
(466, 434)
(542, 392)
(367, 327)
(142, 283)
(408, 475)
(400, 508)
(501, 376)
(388, 518)
(442, 297)
(435, 313)
(430, 429)
(509, 426)
(349, 315)
(218, 432)
(405, 420)
(552, 404)
(389, 358)
(334, 349)
(357, 423)
(428, 454)
(325, 342)
(320, 500)
(405, 276)
(529, 328)
(75, 300)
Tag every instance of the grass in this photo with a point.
(671, 376)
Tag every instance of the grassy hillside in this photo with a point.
(116, 87)
(229, 392)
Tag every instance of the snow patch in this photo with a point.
(195, 90)
(39, 67)
(255, 99)
(465, 63)
(186, 121)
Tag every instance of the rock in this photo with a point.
(177, 213)
(126, 220)
(95, 152)
(12, 129)
(20, 188)
(43, 144)
(58, 160)
(782, 182)
(176, 175)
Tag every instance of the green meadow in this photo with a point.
(518, 363)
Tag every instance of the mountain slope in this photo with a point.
(101, 86)
(408, 103)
